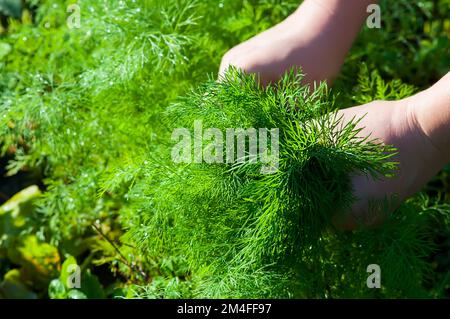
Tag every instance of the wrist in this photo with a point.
(432, 109)
(424, 117)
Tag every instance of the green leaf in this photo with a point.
(76, 294)
(57, 290)
(20, 203)
(5, 48)
(64, 276)
(12, 287)
(12, 8)
(91, 286)
(40, 261)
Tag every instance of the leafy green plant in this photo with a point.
(246, 234)
(63, 287)
(89, 112)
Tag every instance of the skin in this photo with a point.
(317, 37)
(422, 140)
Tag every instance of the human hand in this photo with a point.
(423, 149)
(316, 37)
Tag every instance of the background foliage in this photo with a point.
(85, 120)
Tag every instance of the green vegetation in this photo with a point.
(86, 117)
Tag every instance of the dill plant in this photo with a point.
(91, 110)
(241, 233)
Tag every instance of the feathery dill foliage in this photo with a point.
(92, 110)
(241, 233)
